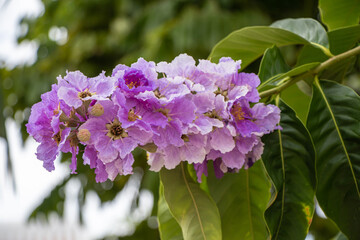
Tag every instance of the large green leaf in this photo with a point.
(307, 28)
(339, 13)
(334, 123)
(168, 227)
(289, 159)
(272, 63)
(250, 43)
(192, 208)
(343, 39)
(242, 198)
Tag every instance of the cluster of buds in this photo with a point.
(177, 111)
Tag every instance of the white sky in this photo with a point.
(32, 180)
(10, 15)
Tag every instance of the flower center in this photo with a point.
(84, 94)
(241, 112)
(115, 131)
(238, 112)
(57, 138)
(132, 115)
(134, 78)
(213, 114)
(157, 93)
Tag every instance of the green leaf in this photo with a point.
(338, 71)
(293, 72)
(242, 198)
(339, 13)
(334, 124)
(297, 100)
(250, 43)
(307, 28)
(168, 227)
(343, 39)
(272, 64)
(192, 208)
(289, 160)
(310, 54)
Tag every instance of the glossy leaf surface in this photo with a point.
(168, 227)
(272, 64)
(334, 124)
(339, 13)
(242, 198)
(289, 160)
(307, 28)
(343, 39)
(192, 208)
(250, 43)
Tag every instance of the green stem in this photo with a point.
(315, 71)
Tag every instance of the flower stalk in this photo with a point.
(313, 72)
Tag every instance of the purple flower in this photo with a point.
(243, 118)
(222, 139)
(267, 117)
(201, 168)
(222, 73)
(120, 166)
(139, 77)
(90, 158)
(75, 88)
(249, 80)
(112, 141)
(193, 151)
(260, 119)
(45, 126)
(182, 66)
(194, 113)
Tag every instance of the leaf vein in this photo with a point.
(193, 199)
(339, 133)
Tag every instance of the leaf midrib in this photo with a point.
(249, 207)
(339, 134)
(283, 184)
(193, 200)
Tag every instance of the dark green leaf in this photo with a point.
(339, 13)
(343, 39)
(168, 227)
(310, 54)
(192, 208)
(242, 198)
(307, 28)
(334, 124)
(338, 71)
(272, 64)
(250, 43)
(289, 160)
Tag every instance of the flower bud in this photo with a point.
(223, 167)
(83, 135)
(97, 110)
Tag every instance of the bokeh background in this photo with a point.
(40, 40)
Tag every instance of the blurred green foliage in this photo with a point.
(95, 35)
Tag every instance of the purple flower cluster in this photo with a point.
(178, 111)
